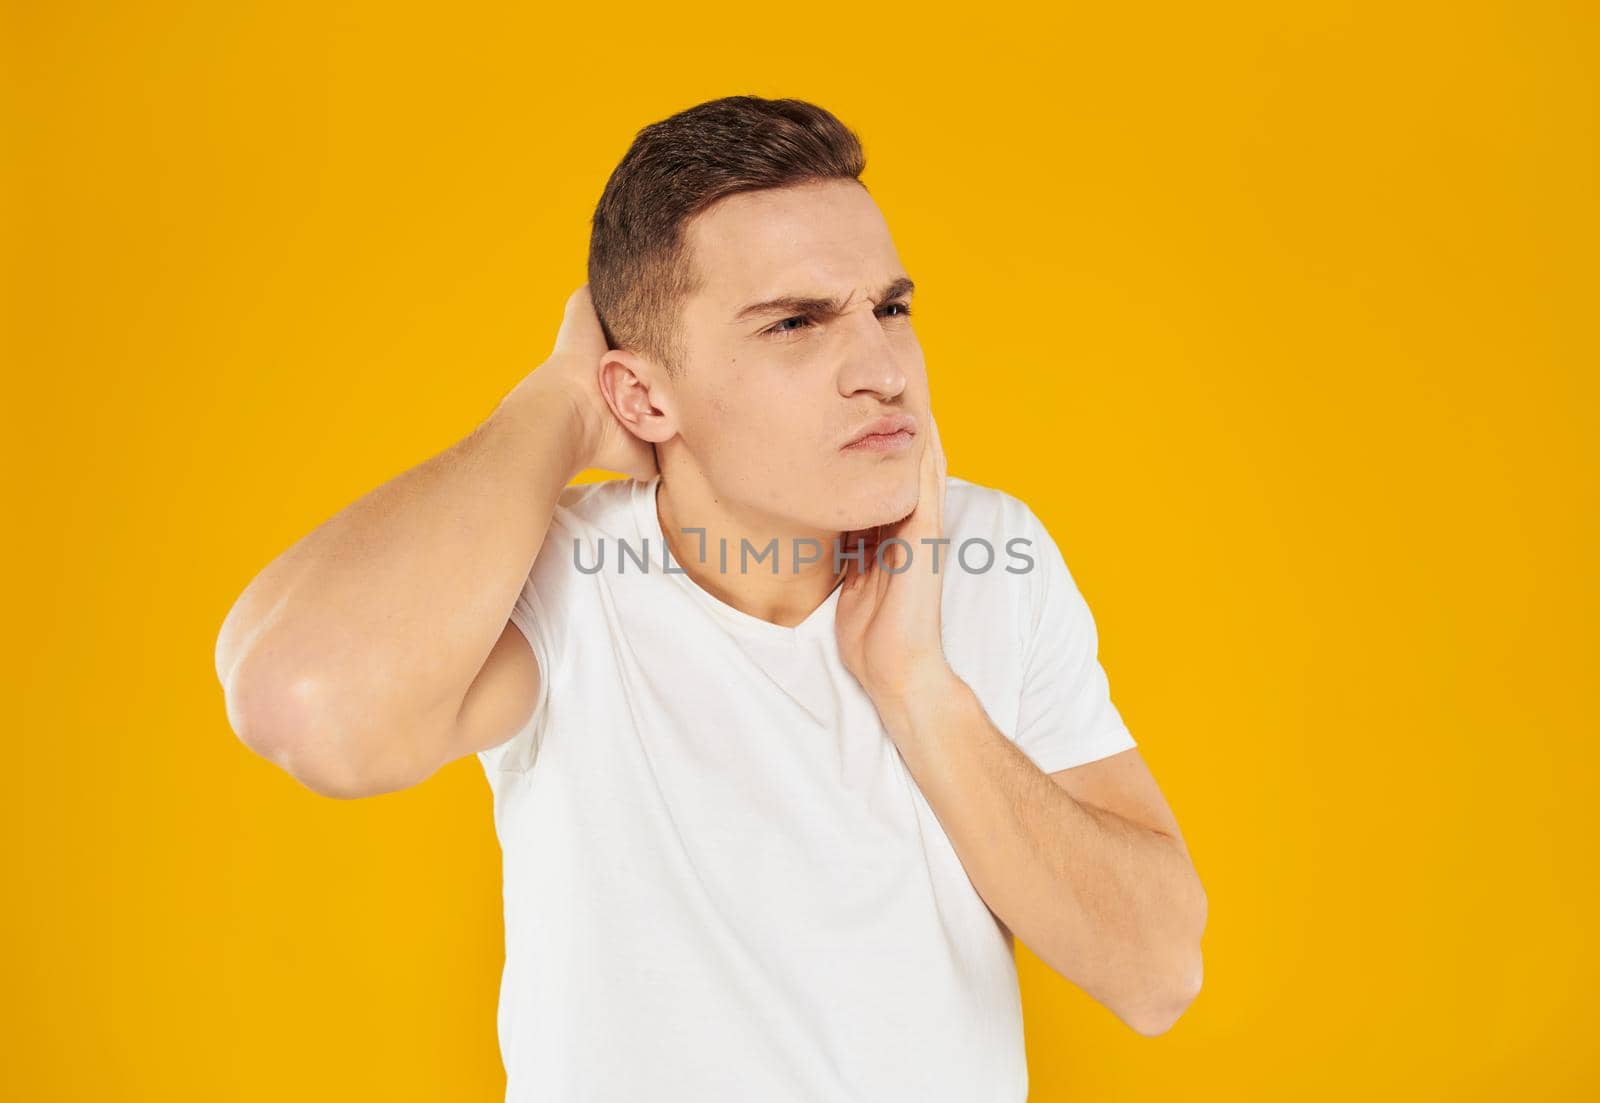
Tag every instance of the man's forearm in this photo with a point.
(1111, 905)
(372, 627)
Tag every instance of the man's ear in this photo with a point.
(633, 386)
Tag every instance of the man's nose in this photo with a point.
(868, 359)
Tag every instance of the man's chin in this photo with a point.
(888, 508)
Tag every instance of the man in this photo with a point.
(769, 817)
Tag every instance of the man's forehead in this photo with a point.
(763, 245)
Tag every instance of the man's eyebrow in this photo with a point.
(810, 304)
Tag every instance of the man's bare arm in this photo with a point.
(1104, 893)
(377, 648)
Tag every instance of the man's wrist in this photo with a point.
(550, 409)
(927, 694)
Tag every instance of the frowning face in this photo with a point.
(798, 339)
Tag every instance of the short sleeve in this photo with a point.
(540, 614)
(1066, 716)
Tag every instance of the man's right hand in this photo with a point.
(573, 367)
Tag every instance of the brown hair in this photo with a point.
(639, 268)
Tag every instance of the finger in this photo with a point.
(857, 544)
(580, 325)
(930, 500)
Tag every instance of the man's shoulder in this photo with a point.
(972, 509)
(598, 507)
(993, 537)
(988, 589)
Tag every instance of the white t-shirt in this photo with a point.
(721, 881)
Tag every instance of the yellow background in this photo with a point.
(1281, 316)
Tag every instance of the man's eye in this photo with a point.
(783, 326)
(803, 322)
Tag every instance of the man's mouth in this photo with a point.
(885, 434)
(882, 442)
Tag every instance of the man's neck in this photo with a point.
(786, 597)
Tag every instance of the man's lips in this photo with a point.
(884, 434)
(882, 442)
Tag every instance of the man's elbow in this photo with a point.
(283, 725)
(338, 776)
(1158, 1015)
(1176, 984)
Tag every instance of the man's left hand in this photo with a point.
(888, 619)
